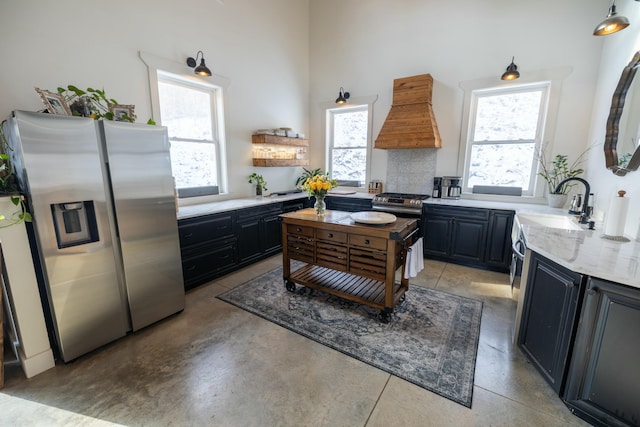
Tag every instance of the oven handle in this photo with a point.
(518, 248)
(392, 209)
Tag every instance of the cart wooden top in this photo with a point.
(342, 221)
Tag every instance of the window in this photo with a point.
(348, 144)
(190, 111)
(506, 127)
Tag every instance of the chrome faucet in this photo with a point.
(584, 216)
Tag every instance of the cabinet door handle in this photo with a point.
(191, 268)
(366, 241)
(298, 229)
(188, 235)
(331, 235)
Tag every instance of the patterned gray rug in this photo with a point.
(431, 340)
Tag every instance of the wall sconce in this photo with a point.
(612, 23)
(342, 96)
(200, 70)
(512, 71)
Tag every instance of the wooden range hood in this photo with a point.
(410, 122)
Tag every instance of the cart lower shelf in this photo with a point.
(348, 286)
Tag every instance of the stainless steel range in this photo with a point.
(399, 203)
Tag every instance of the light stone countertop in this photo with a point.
(191, 211)
(582, 251)
(586, 252)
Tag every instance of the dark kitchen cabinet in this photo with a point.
(470, 236)
(259, 232)
(498, 249)
(297, 204)
(347, 204)
(217, 244)
(208, 247)
(248, 227)
(549, 318)
(603, 384)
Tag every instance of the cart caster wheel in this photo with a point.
(403, 298)
(291, 287)
(384, 316)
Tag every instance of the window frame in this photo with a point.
(554, 77)
(157, 65)
(544, 87)
(355, 103)
(214, 94)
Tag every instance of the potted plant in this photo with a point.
(9, 187)
(557, 171)
(306, 174)
(261, 184)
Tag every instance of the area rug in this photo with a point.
(431, 340)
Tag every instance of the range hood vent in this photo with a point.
(410, 122)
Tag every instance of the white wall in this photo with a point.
(363, 45)
(261, 46)
(618, 50)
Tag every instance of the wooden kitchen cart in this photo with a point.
(357, 262)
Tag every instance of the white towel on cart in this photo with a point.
(414, 262)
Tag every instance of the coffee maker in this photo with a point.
(437, 187)
(451, 188)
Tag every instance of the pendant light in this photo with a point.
(512, 72)
(202, 69)
(612, 23)
(342, 96)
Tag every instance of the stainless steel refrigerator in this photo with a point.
(104, 221)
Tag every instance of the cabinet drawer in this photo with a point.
(299, 230)
(208, 262)
(458, 212)
(368, 263)
(331, 236)
(204, 229)
(300, 248)
(368, 242)
(331, 256)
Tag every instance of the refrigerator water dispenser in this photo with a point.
(75, 223)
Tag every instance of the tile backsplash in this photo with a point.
(411, 171)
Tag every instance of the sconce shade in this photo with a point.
(342, 96)
(512, 72)
(612, 23)
(202, 69)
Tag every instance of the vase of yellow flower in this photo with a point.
(318, 186)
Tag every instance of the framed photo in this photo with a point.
(122, 113)
(54, 102)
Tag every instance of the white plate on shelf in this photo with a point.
(373, 217)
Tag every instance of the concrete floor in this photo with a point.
(217, 365)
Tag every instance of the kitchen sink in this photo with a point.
(562, 222)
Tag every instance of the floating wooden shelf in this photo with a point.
(282, 141)
(279, 140)
(280, 162)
